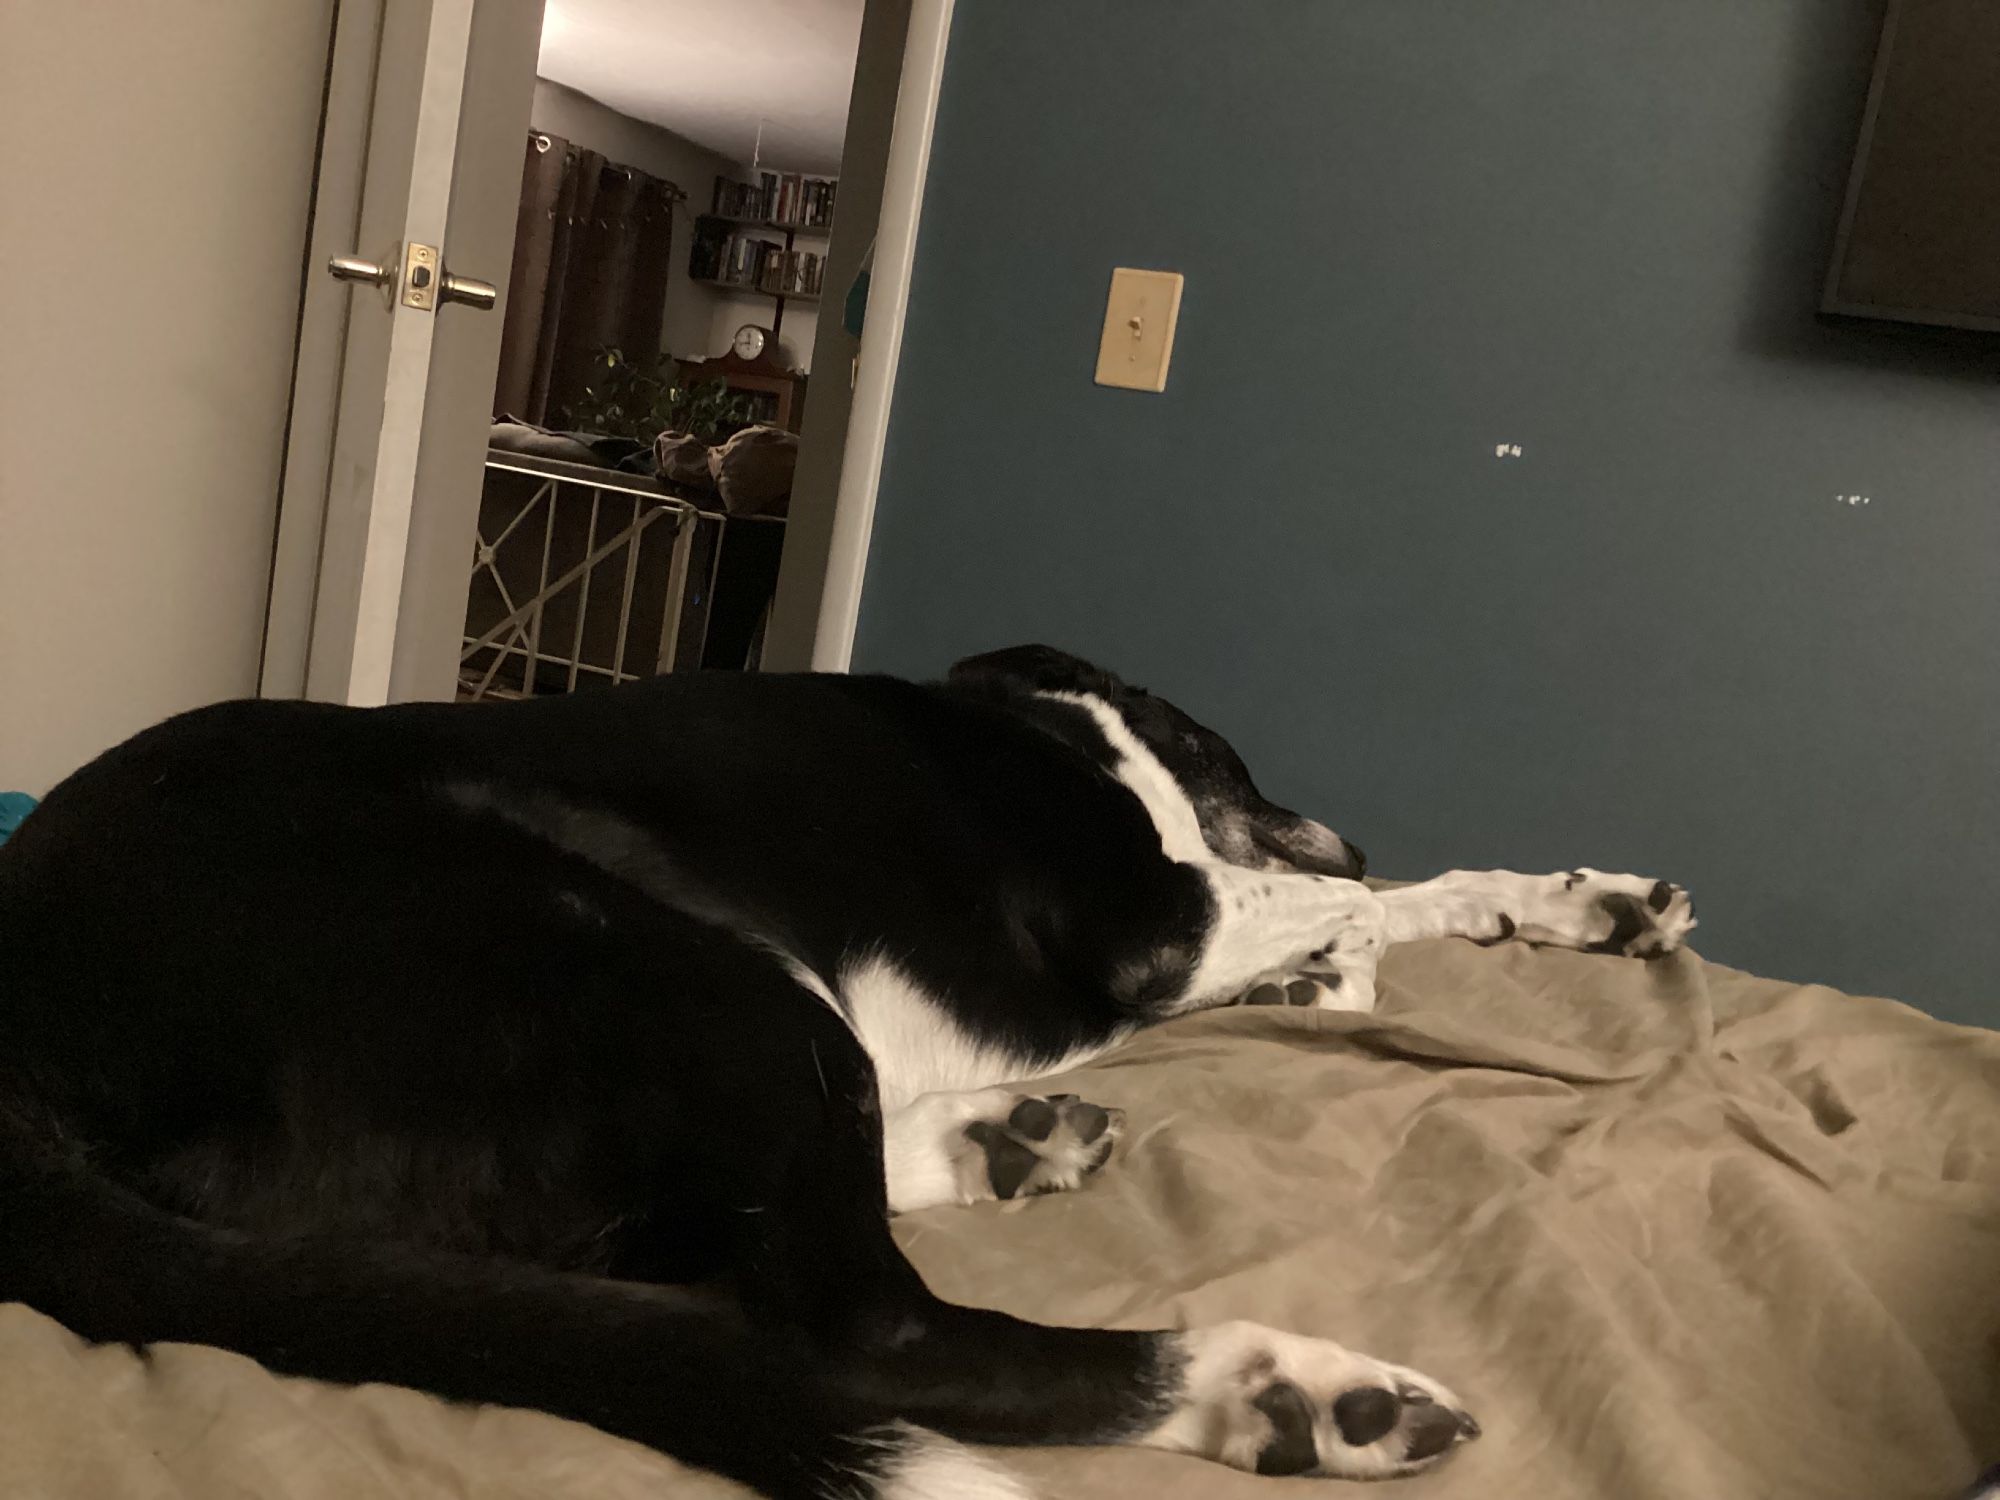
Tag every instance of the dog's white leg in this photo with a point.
(1587, 909)
(992, 1143)
(1315, 940)
(1269, 927)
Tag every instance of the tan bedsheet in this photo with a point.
(1677, 1233)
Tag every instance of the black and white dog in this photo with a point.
(573, 1054)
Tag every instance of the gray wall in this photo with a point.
(1413, 230)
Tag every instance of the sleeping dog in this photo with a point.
(574, 1053)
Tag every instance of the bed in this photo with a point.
(1678, 1233)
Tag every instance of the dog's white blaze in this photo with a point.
(1263, 919)
(1152, 783)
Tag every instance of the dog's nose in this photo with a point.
(1355, 857)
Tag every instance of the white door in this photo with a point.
(419, 181)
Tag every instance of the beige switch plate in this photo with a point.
(1138, 338)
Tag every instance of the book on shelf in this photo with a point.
(736, 257)
(792, 199)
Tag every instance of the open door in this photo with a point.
(418, 181)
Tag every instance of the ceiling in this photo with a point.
(714, 70)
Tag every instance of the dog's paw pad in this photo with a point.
(1277, 1403)
(1294, 990)
(1045, 1144)
(1644, 926)
(1323, 989)
(1632, 916)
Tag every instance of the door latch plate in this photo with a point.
(420, 276)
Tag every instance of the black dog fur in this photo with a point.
(421, 1044)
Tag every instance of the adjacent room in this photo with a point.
(669, 264)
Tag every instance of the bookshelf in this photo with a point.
(732, 252)
(778, 224)
(748, 289)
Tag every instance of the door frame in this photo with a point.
(907, 171)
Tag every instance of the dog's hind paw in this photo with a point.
(1278, 1403)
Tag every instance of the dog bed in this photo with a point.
(1675, 1232)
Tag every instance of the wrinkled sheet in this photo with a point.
(1676, 1233)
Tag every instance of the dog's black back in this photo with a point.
(314, 880)
(304, 1002)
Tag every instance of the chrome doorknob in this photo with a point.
(463, 289)
(354, 268)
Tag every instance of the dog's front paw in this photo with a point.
(993, 1143)
(1629, 915)
(1278, 1403)
(1044, 1145)
(1324, 989)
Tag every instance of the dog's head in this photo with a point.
(1236, 820)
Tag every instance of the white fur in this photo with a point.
(929, 1160)
(930, 1467)
(1264, 920)
(1230, 1364)
(926, 1156)
(1152, 783)
(918, 1047)
(1269, 924)
(800, 973)
(1563, 909)
(1333, 989)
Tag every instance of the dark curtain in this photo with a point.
(591, 248)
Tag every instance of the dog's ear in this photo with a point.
(1037, 669)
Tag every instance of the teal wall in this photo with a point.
(1413, 230)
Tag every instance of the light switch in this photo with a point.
(1138, 338)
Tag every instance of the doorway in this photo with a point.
(670, 246)
(680, 189)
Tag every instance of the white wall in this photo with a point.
(698, 321)
(159, 174)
